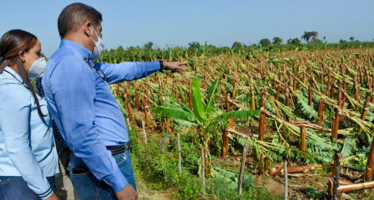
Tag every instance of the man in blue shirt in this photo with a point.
(84, 109)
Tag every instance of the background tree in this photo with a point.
(193, 45)
(277, 41)
(265, 42)
(295, 41)
(120, 48)
(236, 44)
(148, 45)
(316, 41)
(351, 39)
(341, 41)
(308, 35)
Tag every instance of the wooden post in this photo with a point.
(336, 174)
(145, 142)
(285, 180)
(145, 134)
(179, 155)
(190, 94)
(203, 166)
(242, 168)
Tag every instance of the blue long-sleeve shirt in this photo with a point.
(27, 145)
(84, 108)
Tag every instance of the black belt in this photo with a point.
(119, 149)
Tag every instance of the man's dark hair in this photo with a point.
(75, 15)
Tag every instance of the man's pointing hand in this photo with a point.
(175, 66)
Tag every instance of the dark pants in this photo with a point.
(14, 187)
(89, 187)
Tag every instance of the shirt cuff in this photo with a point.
(154, 66)
(117, 180)
(45, 195)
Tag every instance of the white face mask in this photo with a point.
(37, 68)
(99, 45)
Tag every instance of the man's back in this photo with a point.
(68, 66)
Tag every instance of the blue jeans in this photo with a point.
(89, 187)
(14, 187)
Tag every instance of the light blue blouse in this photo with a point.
(27, 146)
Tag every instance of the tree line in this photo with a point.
(310, 37)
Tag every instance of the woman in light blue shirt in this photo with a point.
(28, 157)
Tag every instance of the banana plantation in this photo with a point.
(284, 114)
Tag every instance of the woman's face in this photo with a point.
(33, 54)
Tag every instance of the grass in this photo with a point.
(159, 168)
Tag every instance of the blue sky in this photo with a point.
(178, 22)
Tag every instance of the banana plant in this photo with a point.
(202, 117)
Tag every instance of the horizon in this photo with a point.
(219, 23)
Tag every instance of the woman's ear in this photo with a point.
(22, 56)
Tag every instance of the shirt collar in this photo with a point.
(75, 46)
(14, 75)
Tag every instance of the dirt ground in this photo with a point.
(145, 193)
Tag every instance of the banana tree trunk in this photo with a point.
(370, 164)
(278, 92)
(303, 139)
(296, 169)
(334, 135)
(136, 98)
(320, 111)
(128, 106)
(365, 109)
(262, 121)
(240, 184)
(148, 124)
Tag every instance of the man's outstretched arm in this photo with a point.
(128, 71)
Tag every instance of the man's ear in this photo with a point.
(87, 28)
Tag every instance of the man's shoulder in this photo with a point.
(62, 53)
